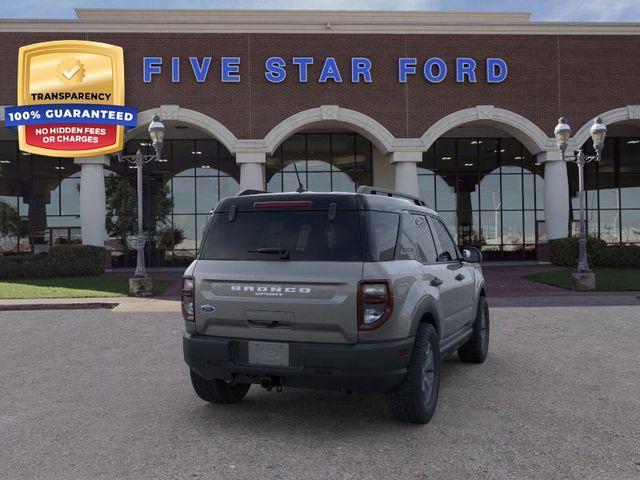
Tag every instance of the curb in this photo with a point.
(57, 306)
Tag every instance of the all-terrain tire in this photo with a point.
(475, 350)
(414, 400)
(218, 391)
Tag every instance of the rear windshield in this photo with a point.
(307, 235)
(304, 235)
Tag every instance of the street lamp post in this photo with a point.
(156, 133)
(562, 133)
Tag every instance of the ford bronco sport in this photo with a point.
(357, 291)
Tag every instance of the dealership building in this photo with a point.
(456, 108)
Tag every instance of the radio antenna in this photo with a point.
(300, 188)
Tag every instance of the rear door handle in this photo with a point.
(459, 277)
(436, 282)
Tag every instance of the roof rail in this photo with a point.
(390, 193)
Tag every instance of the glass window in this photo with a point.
(630, 190)
(629, 155)
(183, 157)
(305, 235)
(382, 233)
(487, 156)
(426, 186)
(70, 196)
(490, 195)
(511, 155)
(406, 250)
(610, 226)
(184, 195)
(512, 192)
(449, 251)
(445, 193)
(187, 223)
(319, 152)
(630, 226)
(325, 162)
(467, 155)
(445, 156)
(426, 248)
(208, 194)
(512, 228)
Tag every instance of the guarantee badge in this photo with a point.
(71, 99)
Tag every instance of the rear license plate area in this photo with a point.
(269, 353)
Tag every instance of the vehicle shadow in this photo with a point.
(316, 413)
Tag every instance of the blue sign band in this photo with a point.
(70, 113)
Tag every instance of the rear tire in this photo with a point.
(475, 350)
(218, 391)
(415, 400)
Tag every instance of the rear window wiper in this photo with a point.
(283, 252)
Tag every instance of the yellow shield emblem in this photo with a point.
(77, 79)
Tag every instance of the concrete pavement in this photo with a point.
(104, 394)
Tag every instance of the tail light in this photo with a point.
(188, 308)
(375, 303)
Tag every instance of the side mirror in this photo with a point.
(471, 254)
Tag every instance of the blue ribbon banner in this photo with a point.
(70, 113)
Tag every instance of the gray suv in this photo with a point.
(357, 292)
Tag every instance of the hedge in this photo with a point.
(564, 252)
(61, 261)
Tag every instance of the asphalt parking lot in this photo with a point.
(103, 395)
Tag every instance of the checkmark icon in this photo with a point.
(71, 73)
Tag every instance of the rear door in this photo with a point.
(281, 274)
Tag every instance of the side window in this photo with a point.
(425, 246)
(449, 251)
(406, 250)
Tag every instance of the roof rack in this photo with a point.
(390, 193)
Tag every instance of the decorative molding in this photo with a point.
(634, 112)
(485, 112)
(329, 112)
(169, 112)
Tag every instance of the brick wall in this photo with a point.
(578, 76)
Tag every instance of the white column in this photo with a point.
(406, 166)
(251, 170)
(93, 209)
(556, 195)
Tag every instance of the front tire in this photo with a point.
(218, 391)
(415, 400)
(475, 350)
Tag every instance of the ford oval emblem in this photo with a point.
(207, 308)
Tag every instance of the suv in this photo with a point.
(357, 292)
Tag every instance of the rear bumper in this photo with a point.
(366, 367)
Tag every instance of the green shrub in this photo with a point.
(61, 261)
(564, 252)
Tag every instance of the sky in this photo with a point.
(542, 10)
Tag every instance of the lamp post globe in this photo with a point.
(562, 133)
(156, 133)
(598, 133)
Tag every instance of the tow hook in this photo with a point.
(269, 383)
